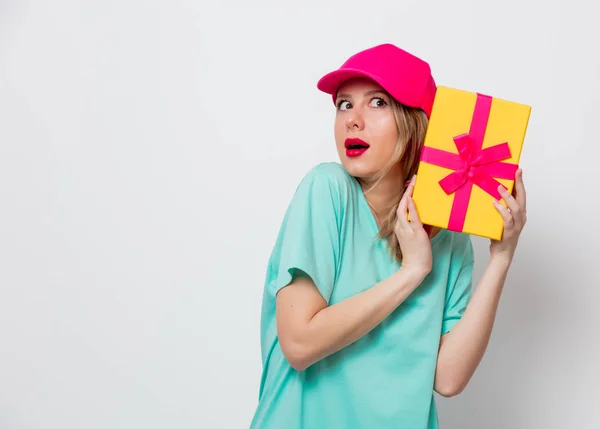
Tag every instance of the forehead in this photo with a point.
(359, 85)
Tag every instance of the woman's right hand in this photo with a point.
(412, 236)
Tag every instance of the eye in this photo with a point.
(343, 105)
(378, 102)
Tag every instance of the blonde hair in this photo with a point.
(412, 125)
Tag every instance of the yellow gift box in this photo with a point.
(472, 145)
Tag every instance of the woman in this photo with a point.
(364, 312)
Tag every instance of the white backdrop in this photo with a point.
(148, 151)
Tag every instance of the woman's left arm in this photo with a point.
(462, 349)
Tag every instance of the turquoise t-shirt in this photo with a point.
(384, 379)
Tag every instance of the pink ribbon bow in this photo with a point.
(473, 165)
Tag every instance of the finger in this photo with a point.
(519, 190)
(513, 205)
(506, 215)
(414, 216)
(401, 212)
(411, 185)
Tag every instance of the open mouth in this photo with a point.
(356, 144)
(356, 147)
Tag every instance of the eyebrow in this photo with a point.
(374, 91)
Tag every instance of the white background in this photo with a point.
(148, 151)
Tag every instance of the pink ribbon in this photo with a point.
(472, 165)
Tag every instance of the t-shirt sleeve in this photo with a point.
(460, 288)
(308, 240)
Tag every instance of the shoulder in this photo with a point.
(327, 178)
(457, 246)
(328, 172)
(462, 246)
(323, 191)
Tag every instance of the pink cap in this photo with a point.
(404, 76)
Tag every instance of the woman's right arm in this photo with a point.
(309, 329)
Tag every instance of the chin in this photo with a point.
(360, 168)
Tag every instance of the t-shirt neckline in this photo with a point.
(373, 221)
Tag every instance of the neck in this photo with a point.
(385, 193)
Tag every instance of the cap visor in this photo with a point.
(332, 81)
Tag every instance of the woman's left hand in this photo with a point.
(515, 217)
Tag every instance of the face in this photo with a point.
(365, 129)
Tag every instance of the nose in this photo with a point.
(355, 120)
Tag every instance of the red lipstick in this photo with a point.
(355, 147)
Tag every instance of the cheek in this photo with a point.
(339, 132)
(384, 130)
